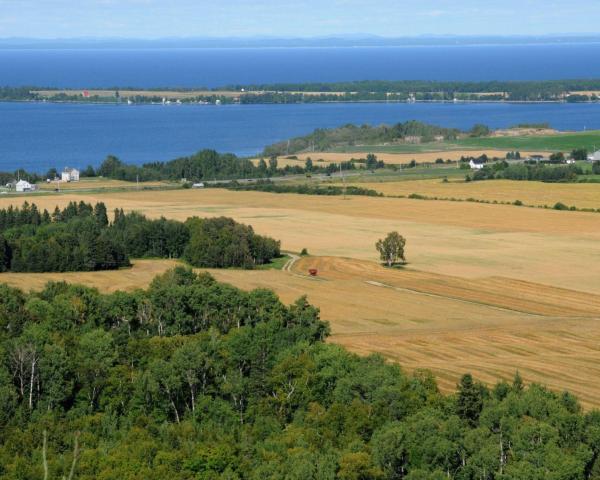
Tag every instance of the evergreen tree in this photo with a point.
(469, 402)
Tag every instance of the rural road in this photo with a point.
(287, 267)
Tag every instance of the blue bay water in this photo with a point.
(37, 136)
(213, 67)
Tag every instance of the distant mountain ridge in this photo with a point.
(350, 40)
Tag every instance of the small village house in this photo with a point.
(70, 175)
(476, 164)
(24, 186)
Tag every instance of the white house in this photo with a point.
(476, 164)
(198, 185)
(594, 157)
(70, 175)
(24, 186)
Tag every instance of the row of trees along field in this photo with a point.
(193, 379)
(81, 238)
(533, 172)
(211, 165)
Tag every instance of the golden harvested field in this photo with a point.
(531, 193)
(138, 276)
(489, 288)
(390, 158)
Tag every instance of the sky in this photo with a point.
(293, 18)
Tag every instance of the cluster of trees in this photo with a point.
(17, 93)
(323, 139)
(306, 189)
(81, 238)
(541, 172)
(222, 242)
(211, 165)
(195, 379)
(76, 238)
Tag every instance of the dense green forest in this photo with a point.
(193, 379)
(81, 238)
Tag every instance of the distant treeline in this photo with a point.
(81, 238)
(412, 131)
(435, 90)
(367, 90)
(211, 165)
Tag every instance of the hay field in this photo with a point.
(534, 193)
(461, 239)
(489, 288)
(138, 276)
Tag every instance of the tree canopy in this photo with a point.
(391, 248)
(81, 238)
(192, 378)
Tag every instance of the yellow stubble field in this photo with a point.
(531, 193)
(488, 289)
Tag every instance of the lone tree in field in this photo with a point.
(391, 249)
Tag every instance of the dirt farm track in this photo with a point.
(489, 289)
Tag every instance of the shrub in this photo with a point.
(560, 206)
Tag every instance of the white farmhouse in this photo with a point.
(70, 175)
(476, 164)
(24, 186)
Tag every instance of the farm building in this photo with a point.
(476, 164)
(198, 185)
(24, 186)
(70, 175)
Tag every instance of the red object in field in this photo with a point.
(313, 272)
(86, 93)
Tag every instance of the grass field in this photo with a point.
(99, 183)
(488, 289)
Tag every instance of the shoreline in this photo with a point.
(184, 103)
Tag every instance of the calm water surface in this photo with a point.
(37, 136)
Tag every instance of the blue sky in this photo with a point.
(285, 18)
